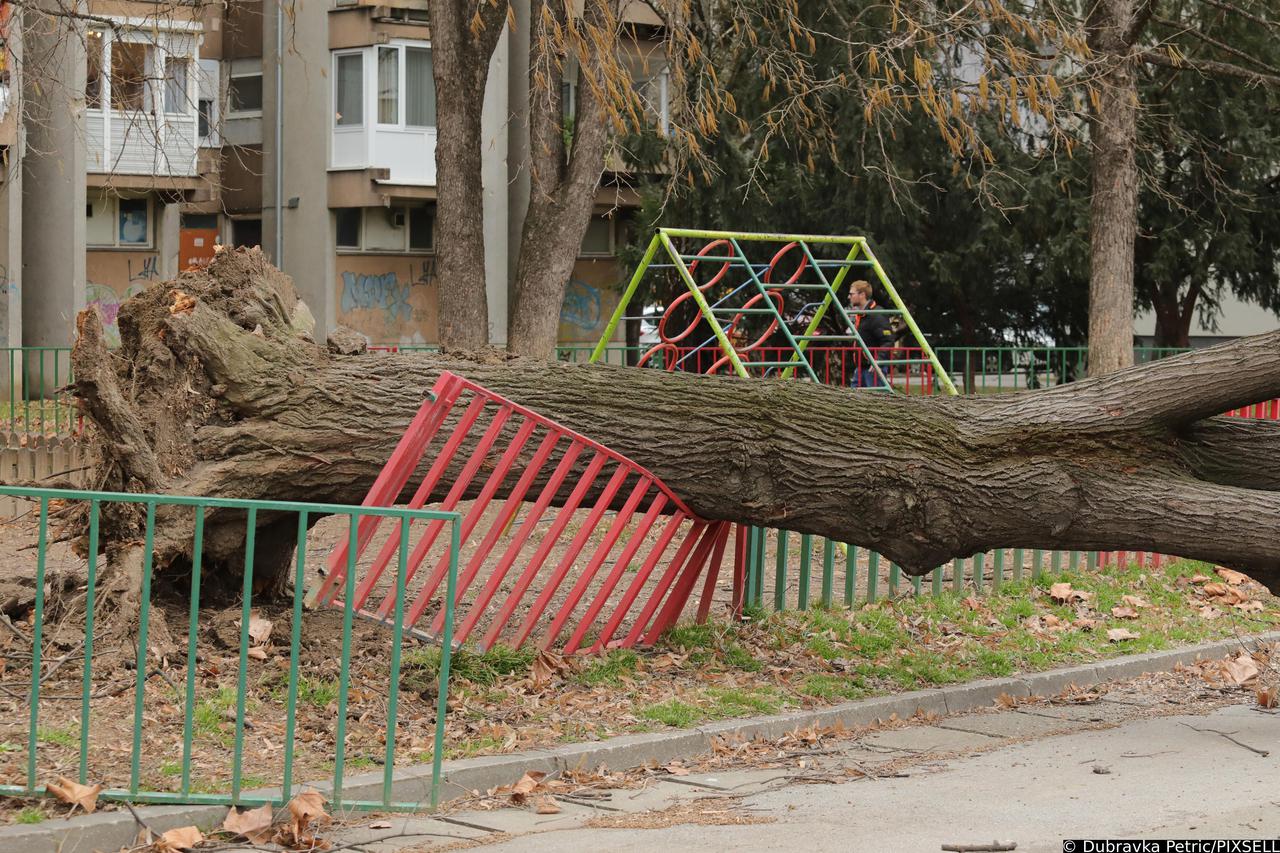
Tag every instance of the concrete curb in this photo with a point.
(114, 830)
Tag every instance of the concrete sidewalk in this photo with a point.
(1155, 777)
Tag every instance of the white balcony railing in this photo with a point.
(136, 143)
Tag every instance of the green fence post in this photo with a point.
(299, 592)
(936, 579)
(997, 575)
(873, 575)
(344, 671)
(135, 761)
(1018, 557)
(1091, 560)
(446, 662)
(37, 644)
(1055, 563)
(895, 575)
(760, 561)
(850, 574)
(1037, 564)
(393, 695)
(193, 627)
(957, 575)
(828, 571)
(979, 572)
(806, 555)
(1074, 561)
(780, 573)
(242, 678)
(750, 581)
(90, 603)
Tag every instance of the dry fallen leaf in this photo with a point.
(304, 809)
(257, 653)
(1115, 635)
(546, 666)
(1199, 578)
(1227, 594)
(1241, 669)
(1085, 624)
(1231, 576)
(545, 805)
(972, 603)
(1268, 697)
(259, 628)
(1209, 612)
(382, 824)
(1062, 592)
(1004, 700)
(84, 796)
(254, 824)
(675, 768)
(182, 838)
(1124, 613)
(1134, 601)
(1249, 606)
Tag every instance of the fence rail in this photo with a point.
(32, 408)
(95, 759)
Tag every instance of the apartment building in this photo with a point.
(149, 133)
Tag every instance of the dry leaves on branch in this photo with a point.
(1116, 635)
(533, 782)
(254, 824)
(77, 795)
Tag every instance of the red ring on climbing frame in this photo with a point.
(795, 276)
(671, 350)
(688, 294)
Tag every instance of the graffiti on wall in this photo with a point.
(389, 299)
(581, 305)
(114, 277)
(589, 300)
(107, 300)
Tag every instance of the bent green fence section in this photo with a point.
(30, 403)
(189, 726)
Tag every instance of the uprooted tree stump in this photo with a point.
(220, 390)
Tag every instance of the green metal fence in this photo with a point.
(30, 403)
(788, 571)
(95, 757)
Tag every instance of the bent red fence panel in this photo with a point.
(607, 512)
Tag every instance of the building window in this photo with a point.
(385, 230)
(420, 88)
(204, 117)
(246, 93)
(348, 89)
(114, 222)
(175, 84)
(408, 16)
(129, 75)
(246, 232)
(349, 219)
(421, 229)
(388, 85)
(93, 79)
(599, 237)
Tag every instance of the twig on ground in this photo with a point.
(993, 847)
(137, 818)
(1262, 752)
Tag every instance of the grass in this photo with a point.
(611, 669)
(420, 668)
(909, 642)
(210, 714)
(61, 737)
(30, 814)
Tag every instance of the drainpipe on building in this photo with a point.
(279, 253)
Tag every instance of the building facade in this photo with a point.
(147, 134)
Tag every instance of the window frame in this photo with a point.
(232, 111)
(113, 205)
(188, 65)
(612, 250)
(411, 213)
(362, 123)
(402, 48)
(147, 98)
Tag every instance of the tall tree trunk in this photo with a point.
(1113, 209)
(563, 188)
(224, 396)
(461, 54)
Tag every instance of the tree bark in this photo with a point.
(461, 52)
(563, 183)
(226, 396)
(1113, 211)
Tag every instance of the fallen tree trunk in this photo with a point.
(219, 390)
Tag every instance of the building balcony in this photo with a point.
(384, 112)
(137, 143)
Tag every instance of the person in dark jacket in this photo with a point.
(876, 332)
